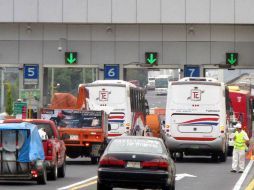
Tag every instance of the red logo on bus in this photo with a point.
(196, 94)
(103, 96)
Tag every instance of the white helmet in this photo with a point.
(238, 126)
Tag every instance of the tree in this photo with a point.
(9, 100)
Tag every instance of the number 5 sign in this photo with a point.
(111, 72)
(31, 74)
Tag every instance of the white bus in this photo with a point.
(123, 101)
(197, 117)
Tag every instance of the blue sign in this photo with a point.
(191, 71)
(111, 72)
(31, 74)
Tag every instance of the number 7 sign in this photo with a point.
(191, 71)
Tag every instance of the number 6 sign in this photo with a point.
(111, 71)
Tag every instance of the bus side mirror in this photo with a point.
(109, 127)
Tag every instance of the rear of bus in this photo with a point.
(111, 96)
(196, 117)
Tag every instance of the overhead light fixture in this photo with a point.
(109, 29)
(28, 28)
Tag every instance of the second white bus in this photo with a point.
(123, 101)
(197, 118)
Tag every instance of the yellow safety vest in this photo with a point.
(239, 141)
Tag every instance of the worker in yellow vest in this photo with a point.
(241, 141)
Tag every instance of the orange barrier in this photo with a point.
(250, 156)
(153, 122)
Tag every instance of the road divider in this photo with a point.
(78, 184)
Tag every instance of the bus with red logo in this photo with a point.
(197, 118)
(123, 101)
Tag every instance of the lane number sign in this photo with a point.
(111, 71)
(31, 74)
(191, 71)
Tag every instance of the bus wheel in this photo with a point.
(94, 160)
(215, 157)
(230, 150)
(223, 156)
(179, 156)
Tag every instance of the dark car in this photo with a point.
(136, 162)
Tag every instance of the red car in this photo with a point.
(54, 147)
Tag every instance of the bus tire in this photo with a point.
(223, 156)
(230, 150)
(94, 160)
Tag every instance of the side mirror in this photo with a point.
(109, 127)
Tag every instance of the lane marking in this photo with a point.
(250, 186)
(84, 185)
(93, 180)
(243, 176)
(78, 183)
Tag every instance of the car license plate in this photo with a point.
(74, 137)
(133, 165)
(195, 146)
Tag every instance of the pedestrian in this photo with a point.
(241, 141)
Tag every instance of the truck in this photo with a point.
(241, 103)
(54, 147)
(85, 133)
(21, 153)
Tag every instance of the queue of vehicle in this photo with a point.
(114, 112)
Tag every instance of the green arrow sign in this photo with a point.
(71, 58)
(232, 58)
(151, 58)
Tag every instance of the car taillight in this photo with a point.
(108, 161)
(50, 149)
(156, 164)
(34, 173)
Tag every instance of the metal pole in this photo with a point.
(52, 82)
(2, 91)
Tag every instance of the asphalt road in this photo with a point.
(193, 174)
(155, 100)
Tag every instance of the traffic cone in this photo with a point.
(250, 155)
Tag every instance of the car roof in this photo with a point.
(28, 120)
(138, 137)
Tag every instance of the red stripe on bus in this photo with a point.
(194, 139)
(116, 117)
(202, 119)
(114, 135)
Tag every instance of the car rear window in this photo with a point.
(47, 128)
(136, 146)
